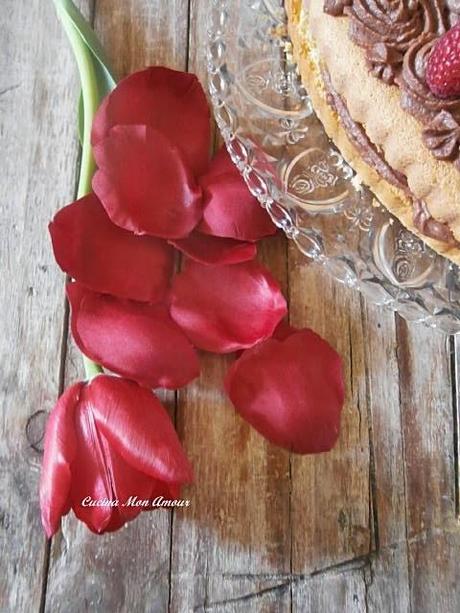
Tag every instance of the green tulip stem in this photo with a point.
(90, 96)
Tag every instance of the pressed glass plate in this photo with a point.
(288, 162)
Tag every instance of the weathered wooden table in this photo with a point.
(371, 526)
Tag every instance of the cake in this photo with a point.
(364, 64)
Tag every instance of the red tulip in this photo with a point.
(106, 258)
(170, 101)
(106, 441)
(136, 340)
(226, 308)
(290, 390)
(145, 184)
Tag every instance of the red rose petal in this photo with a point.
(106, 258)
(230, 210)
(215, 250)
(226, 308)
(291, 391)
(137, 340)
(144, 183)
(60, 451)
(173, 102)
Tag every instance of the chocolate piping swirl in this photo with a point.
(428, 226)
(398, 36)
(335, 7)
(416, 97)
(357, 135)
(423, 221)
(442, 137)
(441, 116)
(387, 28)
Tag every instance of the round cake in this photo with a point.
(364, 64)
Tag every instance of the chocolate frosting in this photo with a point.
(428, 226)
(335, 7)
(398, 36)
(442, 137)
(440, 116)
(356, 133)
(387, 28)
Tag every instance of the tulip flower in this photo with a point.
(108, 441)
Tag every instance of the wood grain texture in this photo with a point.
(388, 568)
(234, 542)
(432, 527)
(331, 493)
(38, 156)
(230, 548)
(113, 572)
(372, 526)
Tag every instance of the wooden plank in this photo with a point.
(332, 591)
(427, 422)
(455, 363)
(37, 110)
(429, 441)
(414, 472)
(113, 572)
(265, 532)
(330, 493)
(435, 573)
(388, 589)
(230, 547)
(140, 33)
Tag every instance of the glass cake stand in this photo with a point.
(300, 178)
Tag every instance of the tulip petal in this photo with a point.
(283, 330)
(137, 340)
(173, 102)
(102, 477)
(220, 164)
(144, 183)
(135, 422)
(171, 491)
(226, 308)
(215, 250)
(290, 391)
(91, 477)
(106, 258)
(230, 210)
(129, 485)
(60, 451)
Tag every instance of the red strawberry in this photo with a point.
(443, 67)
